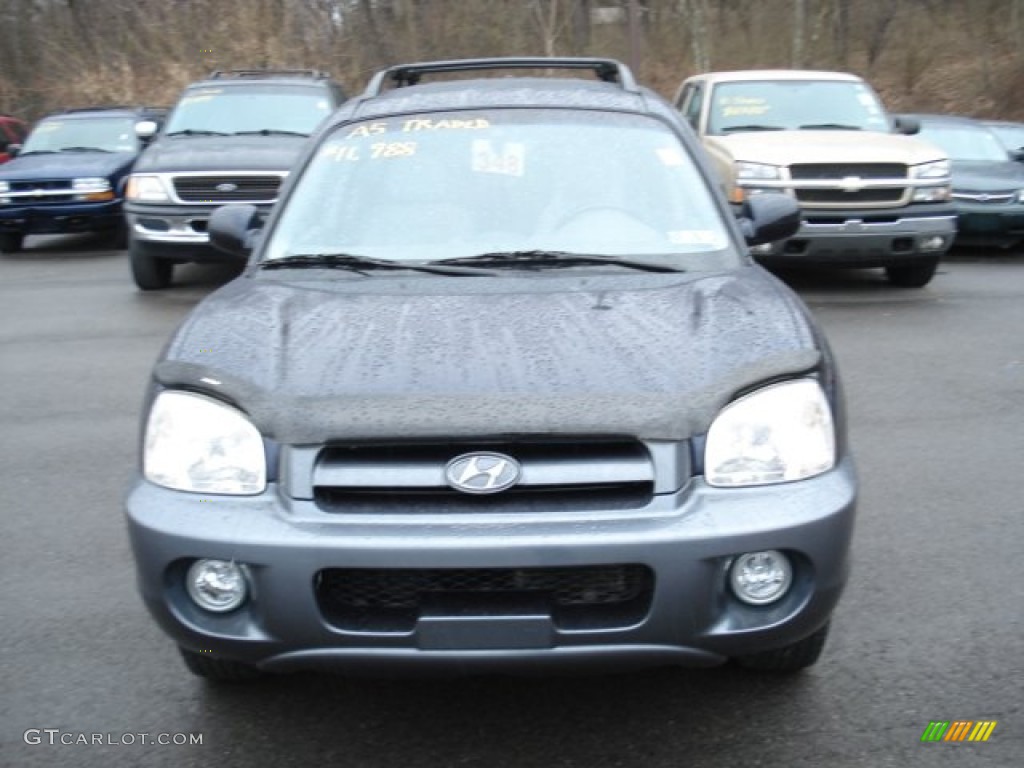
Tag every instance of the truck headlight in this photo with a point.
(935, 171)
(198, 444)
(146, 189)
(92, 188)
(777, 434)
(4, 187)
(939, 194)
(757, 171)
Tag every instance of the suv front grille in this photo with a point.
(841, 197)
(392, 600)
(825, 171)
(557, 476)
(227, 189)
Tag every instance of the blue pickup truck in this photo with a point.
(69, 175)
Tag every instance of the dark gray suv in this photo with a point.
(500, 389)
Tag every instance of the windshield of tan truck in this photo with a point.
(795, 105)
(461, 184)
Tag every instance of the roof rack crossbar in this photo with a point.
(609, 70)
(222, 74)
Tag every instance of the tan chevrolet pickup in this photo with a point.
(870, 195)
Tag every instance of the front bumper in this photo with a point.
(56, 219)
(981, 224)
(869, 238)
(175, 227)
(685, 539)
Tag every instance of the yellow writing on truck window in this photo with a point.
(367, 129)
(340, 153)
(427, 124)
(386, 149)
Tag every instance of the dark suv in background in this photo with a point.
(231, 139)
(69, 175)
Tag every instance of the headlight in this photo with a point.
(936, 170)
(90, 184)
(777, 434)
(758, 171)
(4, 187)
(939, 194)
(1020, 196)
(195, 443)
(146, 189)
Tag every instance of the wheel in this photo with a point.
(11, 242)
(912, 275)
(789, 658)
(218, 670)
(118, 236)
(151, 273)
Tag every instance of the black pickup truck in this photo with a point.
(231, 138)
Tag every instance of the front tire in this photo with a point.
(11, 242)
(218, 670)
(151, 273)
(912, 275)
(790, 658)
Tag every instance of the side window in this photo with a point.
(693, 101)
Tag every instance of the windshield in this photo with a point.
(240, 109)
(458, 185)
(107, 134)
(968, 143)
(794, 105)
(1012, 136)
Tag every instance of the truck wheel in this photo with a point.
(912, 275)
(789, 658)
(11, 243)
(218, 670)
(151, 273)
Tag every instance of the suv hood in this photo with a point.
(221, 153)
(315, 362)
(790, 147)
(66, 165)
(988, 177)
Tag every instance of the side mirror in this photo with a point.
(146, 130)
(233, 228)
(769, 217)
(1015, 154)
(908, 126)
(13, 149)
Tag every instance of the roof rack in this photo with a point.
(608, 70)
(241, 74)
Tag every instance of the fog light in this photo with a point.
(759, 578)
(216, 585)
(935, 243)
(764, 249)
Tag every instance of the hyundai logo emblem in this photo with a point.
(227, 186)
(482, 472)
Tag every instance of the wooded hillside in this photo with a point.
(964, 56)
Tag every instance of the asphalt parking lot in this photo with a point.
(931, 627)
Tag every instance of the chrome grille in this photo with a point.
(227, 188)
(824, 171)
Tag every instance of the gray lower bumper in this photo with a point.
(857, 243)
(686, 539)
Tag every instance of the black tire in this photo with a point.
(151, 273)
(218, 670)
(912, 275)
(11, 242)
(789, 658)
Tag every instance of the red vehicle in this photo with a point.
(12, 131)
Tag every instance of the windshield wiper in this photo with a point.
(555, 259)
(84, 149)
(271, 132)
(752, 127)
(196, 132)
(361, 264)
(38, 152)
(829, 127)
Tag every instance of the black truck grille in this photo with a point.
(227, 189)
(837, 171)
(860, 197)
(392, 600)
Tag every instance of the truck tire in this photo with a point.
(789, 658)
(912, 275)
(11, 242)
(151, 273)
(218, 670)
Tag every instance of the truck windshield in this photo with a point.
(102, 134)
(795, 105)
(458, 185)
(251, 108)
(967, 143)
